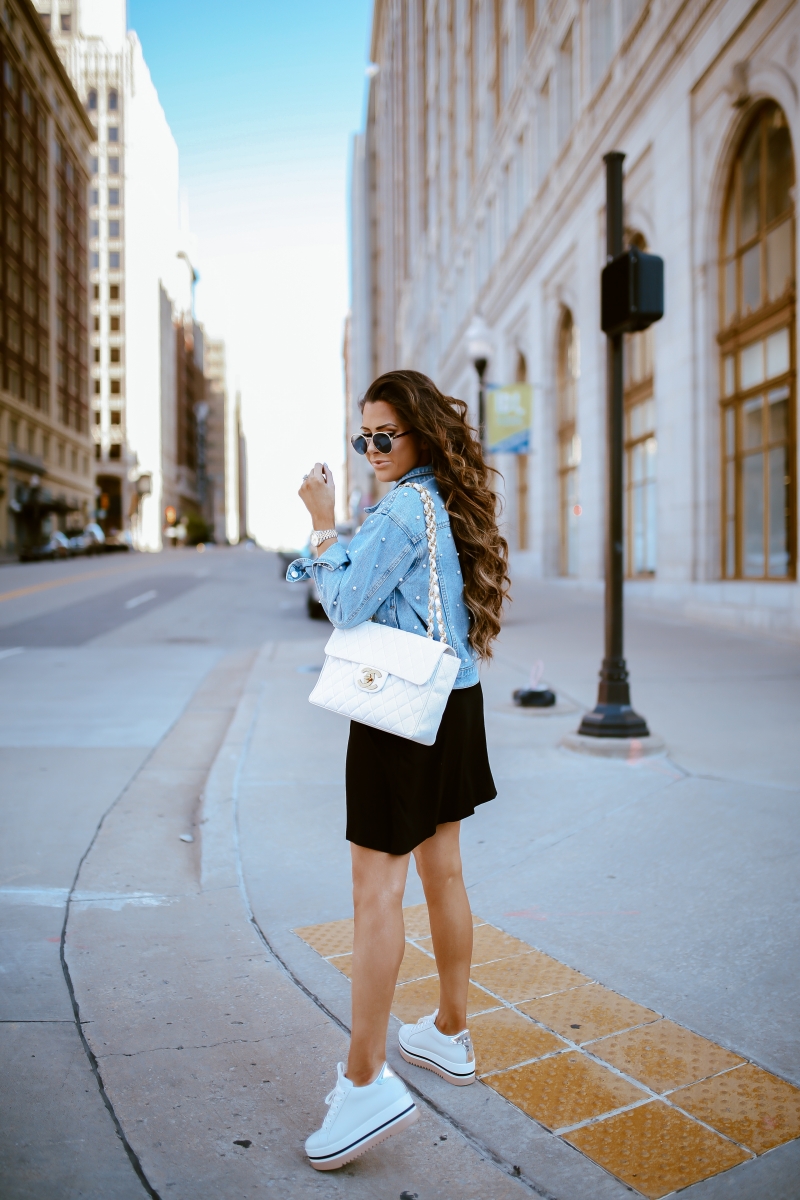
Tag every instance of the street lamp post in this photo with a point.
(632, 299)
(479, 349)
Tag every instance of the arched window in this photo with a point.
(640, 449)
(569, 443)
(91, 100)
(757, 341)
(112, 101)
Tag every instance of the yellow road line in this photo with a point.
(54, 583)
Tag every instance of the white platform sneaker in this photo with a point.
(451, 1057)
(359, 1118)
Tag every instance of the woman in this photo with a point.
(403, 797)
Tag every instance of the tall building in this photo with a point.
(478, 195)
(139, 284)
(220, 459)
(241, 472)
(45, 476)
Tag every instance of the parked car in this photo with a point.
(57, 546)
(119, 540)
(91, 541)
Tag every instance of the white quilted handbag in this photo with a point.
(385, 677)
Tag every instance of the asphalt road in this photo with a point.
(101, 659)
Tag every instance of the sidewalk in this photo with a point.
(669, 882)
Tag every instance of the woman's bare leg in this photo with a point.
(379, 881)
(439, 865)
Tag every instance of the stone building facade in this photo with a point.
(45, 446)
(478, 193)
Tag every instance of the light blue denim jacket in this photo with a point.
(383, 574)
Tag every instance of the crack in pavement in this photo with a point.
(205, 1046)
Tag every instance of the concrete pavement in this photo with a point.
(670, 881)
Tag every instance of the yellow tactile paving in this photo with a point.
(335, 937)
(526, 976)
(488, 944)
(416, 999)
(415, 964)
(565, 1089)
(418, 925)
(503, 1039)
(748, 1104)
(664, 1055)
(416, 921)
(655, 1149)
(588, 1012)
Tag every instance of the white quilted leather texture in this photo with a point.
(403, 654)
(407, 709)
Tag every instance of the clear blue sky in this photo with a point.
(262, 99)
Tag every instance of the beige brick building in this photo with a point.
(45, 444)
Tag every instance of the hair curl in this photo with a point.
(463, 479)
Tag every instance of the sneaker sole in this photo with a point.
(406, 1119)
(430, 1065)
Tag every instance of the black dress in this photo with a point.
(398, 791)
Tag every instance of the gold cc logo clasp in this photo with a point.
(368, 679)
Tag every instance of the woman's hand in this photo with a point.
(319, 494)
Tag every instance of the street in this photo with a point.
(173, 815)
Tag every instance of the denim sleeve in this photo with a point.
(352, 583)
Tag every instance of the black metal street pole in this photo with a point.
(613, 715)
(480, 367)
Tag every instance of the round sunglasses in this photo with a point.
(382, 442)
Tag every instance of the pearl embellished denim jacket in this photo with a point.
(383, 574)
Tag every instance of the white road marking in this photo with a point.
(43, 897)
(52, 897)
(137, 600)
(8, 653)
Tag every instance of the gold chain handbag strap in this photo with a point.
(434, 593)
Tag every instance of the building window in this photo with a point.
(113, 292)
(115, 324)
(113, 133)
(113, 101)
(94, 260)
(113, 229)
(565, 107)
(640, 456)
(640, 450)
(66, 22)
(543, 131)
(113, 166)
(115, 451)
(601, 40)
(569, 443)
(113, 197)
(115, 354)
(757, 368)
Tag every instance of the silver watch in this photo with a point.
(323, 535)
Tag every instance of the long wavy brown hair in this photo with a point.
(463, 479)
